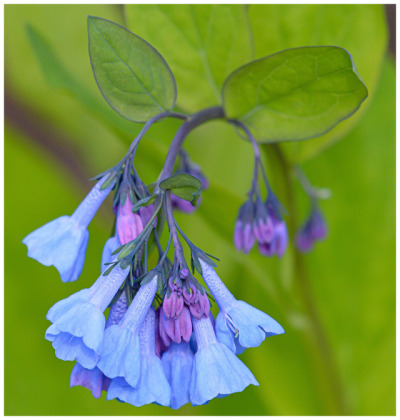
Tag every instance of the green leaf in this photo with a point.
(183, 185)
(294, 94)
(359, 28)
(144, 202)
(131, 75)
(203, 44)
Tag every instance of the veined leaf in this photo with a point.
(295, 94)
(360, 28)
(203, 44)
(131, 75)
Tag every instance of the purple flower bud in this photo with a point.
(243, 237)
(248, 238)
(173, 305)
(201, 309)
(190, 296)
(175, 330)
(281, 238)
(184, 273)
(263, 230)
(313, 229)
(145, 213)
(175, 283)
(129, 225)
(237, 236)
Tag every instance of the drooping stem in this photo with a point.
(303, 284)
(172, 229)
(190, 124)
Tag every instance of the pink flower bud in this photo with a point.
(173, 305)
(129, 225)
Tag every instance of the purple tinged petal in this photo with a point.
(91, 379)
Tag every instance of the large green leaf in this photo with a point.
(359, 28)
(294, 94)
(132, 76)
(202, 43)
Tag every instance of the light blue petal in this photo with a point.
(74, 273)
(223, 333)
(152, 387)
(61, 307)
(120, 356)
(89, 378)
(70, 348)
(217, 372)
(86, 321)
(177, 362)
(61, 243)
(253, 325)
(110, 246)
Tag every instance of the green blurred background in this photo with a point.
(337, 304)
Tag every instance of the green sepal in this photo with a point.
(108, 271)
(144, 202)
(183, 185)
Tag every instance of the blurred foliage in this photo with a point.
(351, 274)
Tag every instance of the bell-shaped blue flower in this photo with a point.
(120, 355)
(238, 325)
(78, 321)
(177, 362)
(216, 371)
(152, 386)
(63, 241)
(94, 379)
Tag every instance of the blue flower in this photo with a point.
(238, 325)
(120, 355)
(152, 386)
(177, 362)
(78, 321)
(94, 379)
(216, 371)
(63, 241)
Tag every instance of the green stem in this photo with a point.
(302, 282)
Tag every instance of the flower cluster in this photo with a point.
(313, 229)
(160, 343)
(262, 222)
